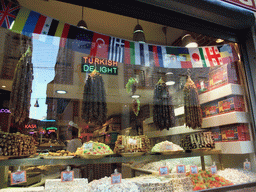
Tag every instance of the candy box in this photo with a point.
(236, 132)
(234, 103)
(216, 133)
(202, 85)
(210, 109)
(222, 75)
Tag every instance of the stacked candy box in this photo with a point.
(93, 150)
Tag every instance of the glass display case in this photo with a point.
(166, 115)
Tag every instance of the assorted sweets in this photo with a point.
(170, 183)
(206, 180)
(94, 148)
(166, 146)
(200, 140)
(105, 185)
(238, 176)
(59, 153)
(17, 144)
(131, 144)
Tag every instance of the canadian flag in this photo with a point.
(212, 56)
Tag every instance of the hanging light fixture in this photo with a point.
(138, 33)
(36, 104)
(82, 23)
(189, 41)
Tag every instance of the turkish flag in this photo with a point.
(100, 44)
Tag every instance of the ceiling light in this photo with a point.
(138, 33)
(170, 83)
(135, 96)
(82, 23)
(219, 40)
(3, 86)
(61, 91)
(188, 41)
(169, 73)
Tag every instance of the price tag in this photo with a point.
(247, 165)
(116, 178)
(163, 171)
(181, 168)
(168, 147)
(193, 169)
(213, 169)
(88, 146)
(132, 141)
(18, 177)
(67, 176)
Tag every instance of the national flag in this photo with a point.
(30, 24)
(8, 13)
(212, 56)
(64, 35)
(20, 20)
(53, 27)
(196, 59)
(40, 24)
(226, 53)
(127, 52)
(46, 26)
(177, 58)
(144, 54)
(116, 50)
(43, 36)
(156, 55)
(184, 58)
(79, 39)
(139, 53)
(100, 45)
(171, 58)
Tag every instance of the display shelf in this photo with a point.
(172, 131)
(78, 161)
(42, 182)
(226, 119)
(236, 147)
(224, 91)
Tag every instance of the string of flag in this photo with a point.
(27, 22)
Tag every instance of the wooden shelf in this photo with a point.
(224, 91)
(226, 119)
(110, 159)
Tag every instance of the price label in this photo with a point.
(116, 178)
(247, 165)
(213, 169)
(163, 171)
(193, 169)
(67, 176)
(132, 141)
(18, 177)
(181, 168)
(88, 146)
(168, 147)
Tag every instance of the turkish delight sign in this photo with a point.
(103, 66)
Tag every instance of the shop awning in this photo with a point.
(215, 11)
(209, 17)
